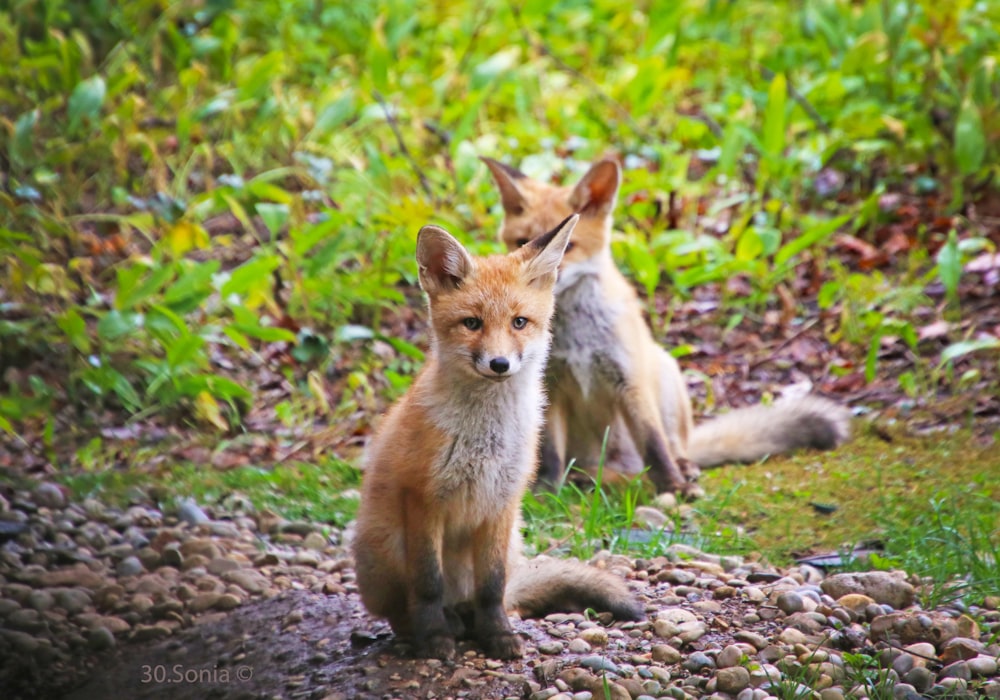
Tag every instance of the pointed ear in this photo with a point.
(596, 192)
(546, 252)
(506, 178)
(442, 261)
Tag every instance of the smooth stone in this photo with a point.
(100, 638)
(790, 602)
(191, 513)
(857, 603)
(884, 587)
(49, 495)
(958, 669)
(729, 657)
(983, 666)
(599, 663)
(732, 680)
(596, 636)
(129, 566)
(665, 654)
(579, 646)
(697, 662)
(551, 648)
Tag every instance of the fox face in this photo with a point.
(532, 208)
(490, 316)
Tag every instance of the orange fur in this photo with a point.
(439, 522)
(606, 369)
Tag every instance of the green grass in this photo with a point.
(296, 491)
(933, 503)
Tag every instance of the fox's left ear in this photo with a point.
(546, 252)
(443, 263)
(597, 191)
(506, 178)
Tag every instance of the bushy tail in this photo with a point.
(543, 585)
(750, 434)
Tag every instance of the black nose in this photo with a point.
(499, 364)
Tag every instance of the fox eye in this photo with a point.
(521, 242)
(472, 323)
(569, 246)
(519, 322)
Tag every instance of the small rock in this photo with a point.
(551, 647)
(697, 662)
(306, 557)
(227, 601)
(315, 540)
(882, 586)
(100, 638)
(578, 646)
(222, 565)
(790, 602)
(49, 495)
(129, 566)
(190, 512)
(732, 680)
(249, 580)
(595, 636)
(665, 654)
(203, 601)
(857, 603)
(650, 518)
(729, 657)
(983, 666)
(41, 600)
(920, 678)
(599, 663)
(757, 641)
(960, 649)
(959, 669)
(678, 577)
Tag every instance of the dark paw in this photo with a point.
(504, 645)
(437, 646)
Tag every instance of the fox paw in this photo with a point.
(436, 646)
(505, 645)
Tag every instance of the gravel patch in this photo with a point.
(104, 602)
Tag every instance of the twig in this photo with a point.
(800, 98)
(543, 49)
(391, 119)
(783, 344)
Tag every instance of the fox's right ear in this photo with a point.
(442, 261)
(546, 252)
(506, 178)
(597, 191)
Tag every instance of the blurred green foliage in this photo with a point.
(140, 141)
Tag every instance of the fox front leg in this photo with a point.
(492, 628)
(432, 633)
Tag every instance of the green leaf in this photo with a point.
(193, 285)
(970, 141)
(275, 216)
(809, 238)
(115, 324)
(21, 146)
(253, 275)
(135, 286)
(775, 117)
(949, 265)
(86, 100)
(269, 334)
(956, 350)
(75, 328)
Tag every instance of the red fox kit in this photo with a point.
(439, 521)
(605, 368)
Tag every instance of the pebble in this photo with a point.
(599, 663)
(882, 586)
(732, 680)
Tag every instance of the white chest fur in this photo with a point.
(490, 427)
